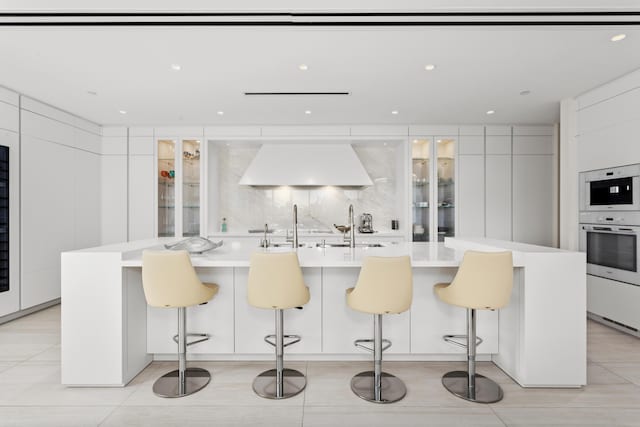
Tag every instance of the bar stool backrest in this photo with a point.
(275, 281)
(484, 281)
(385, 285)
(169, 280)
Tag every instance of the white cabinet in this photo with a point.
(253, 324)
(141, 203)
(48, 211)
(341, 325)
(179, 193)
(614, 300)
(533, 204)
(10, 300)
(498, 197)
(214, 318)
(432, 318)
(471, 195)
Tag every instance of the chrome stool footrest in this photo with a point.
(203, 337)
(358, 343)
(294, 338)
(452, 340)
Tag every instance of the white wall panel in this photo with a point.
(471, 145)
(498, 197)
(141, 145)
(142, 216)
(217, 131)
(113, 199)
(114, 145)
(498, 130)
(614, 146)
(373, 130)
(86, 199)
(48, 216)
(9, 117)
(619, 109)
(470, 198)
(9, 96)
(533, 194)
(498, 144)
(433, 130)
(306, 131)
(533, 145)
(536, 130)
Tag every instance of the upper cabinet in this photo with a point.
(433, 160)
(179, 193)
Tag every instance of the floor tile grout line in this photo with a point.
(108, 415)
(497, 416)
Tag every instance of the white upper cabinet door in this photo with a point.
(498, 199)
(141, 204)
(471, 145)
(533, 194)
(533, 145)
(471, 195)
(498, 144)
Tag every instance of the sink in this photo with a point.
(346, 245)
(282, 245)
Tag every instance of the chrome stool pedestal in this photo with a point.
(182, 381)
(377, 386)
(279, 383)
(469, 385)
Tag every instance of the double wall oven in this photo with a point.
(610, 222)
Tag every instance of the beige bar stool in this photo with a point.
(483, 282)
(276, 283)
(385, 286)
(170, 281)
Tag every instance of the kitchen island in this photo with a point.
(109, 334)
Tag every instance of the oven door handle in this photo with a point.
(609, 230)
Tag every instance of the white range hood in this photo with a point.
(306, 165)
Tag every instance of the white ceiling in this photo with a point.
(478, 69)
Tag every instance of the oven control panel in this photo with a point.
(617, 218)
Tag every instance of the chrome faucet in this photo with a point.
(295, 227)
(265, 241)
(352, 230)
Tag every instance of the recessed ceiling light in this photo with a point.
(491, 112)
(395, 112)
(307, 111)
(122, 112)
(525, 92)
(429, 67)
(303, 67)
(176, 67)
(92, 92)
(385, 144)
(221, 113)
(415, 141)
(618, 37)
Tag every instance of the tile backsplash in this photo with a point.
(318, 208)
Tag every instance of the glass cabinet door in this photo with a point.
(166, 187)
(446, 187)
(421, 177)
(190, 187)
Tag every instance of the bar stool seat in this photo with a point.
(385, 286)
(483, 282)
(170, 281)
(276, 283)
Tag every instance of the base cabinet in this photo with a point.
(614, 300)
(214, 318)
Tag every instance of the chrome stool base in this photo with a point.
(168, 385)
(486, 390)
(293, 382)
(392, 389)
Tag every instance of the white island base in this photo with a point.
(109, 334)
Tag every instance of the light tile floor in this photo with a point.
(31, 394)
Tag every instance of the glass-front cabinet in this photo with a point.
(433, 161)
(179, 194)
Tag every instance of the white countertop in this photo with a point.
(237, 252)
